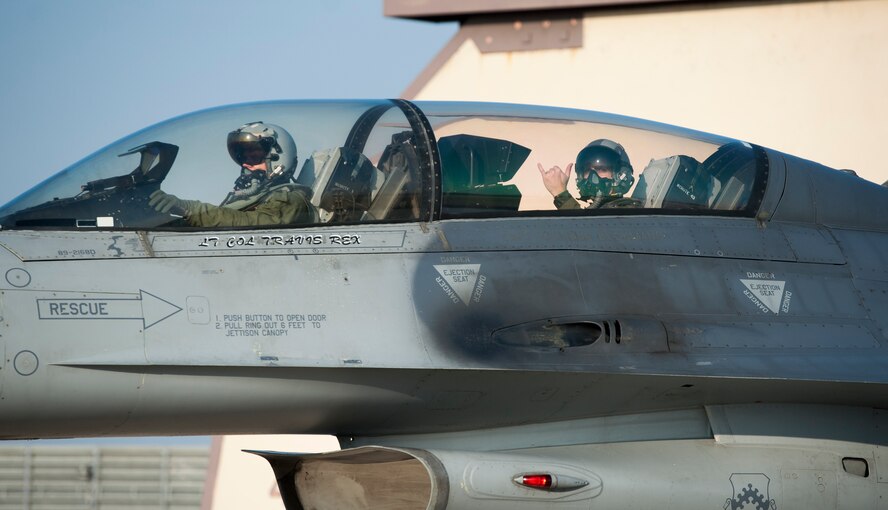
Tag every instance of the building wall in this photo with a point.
(238, 480)
(101, 478)
(807, 78)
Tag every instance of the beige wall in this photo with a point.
(807, 78)
(237, 480)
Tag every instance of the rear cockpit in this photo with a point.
(493, 164)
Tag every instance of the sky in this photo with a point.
(79, 75)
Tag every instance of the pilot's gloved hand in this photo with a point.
(165, 203)
(555, 179)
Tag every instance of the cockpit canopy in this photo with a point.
(392, 160)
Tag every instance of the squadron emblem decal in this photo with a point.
(750, 492)
(461, 282)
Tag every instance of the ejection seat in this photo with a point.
(397, 193)
(343, 183)
(676, 182)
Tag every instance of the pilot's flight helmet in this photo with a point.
(255, 142)
(599, 154)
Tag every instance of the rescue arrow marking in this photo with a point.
(147, 308)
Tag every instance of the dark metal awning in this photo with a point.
(458, 10)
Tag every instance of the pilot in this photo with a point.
(604, 175)
(264, 193)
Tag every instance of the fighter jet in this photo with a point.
(491, 306)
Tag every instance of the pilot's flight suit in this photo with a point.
(564, 201)
(285, 205)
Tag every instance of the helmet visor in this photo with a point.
(248, 149)
(596, 168)
(604, 162)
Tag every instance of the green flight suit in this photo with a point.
(565, 202)
(285, 205)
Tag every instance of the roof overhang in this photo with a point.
(458, 10)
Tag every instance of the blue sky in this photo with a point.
(78, 75)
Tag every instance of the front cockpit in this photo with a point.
(392, 160)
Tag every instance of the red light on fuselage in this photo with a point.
(536, 481)
(556, 482)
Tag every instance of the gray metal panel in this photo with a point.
(845, 200)
(816, 296)
(738, 238)
(797, 202)
(818, 194)
(751, 335)
(683, 424)
(812, 244)
(343, 289)
(798, 493)
(57, 245)
(775, 424)
(874, 296)
(867, 252)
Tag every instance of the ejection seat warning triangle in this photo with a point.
(461, 278)
(767, 293)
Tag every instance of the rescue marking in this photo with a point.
(147, 307)
(461, 282)
(767, 295)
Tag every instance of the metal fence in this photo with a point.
(102, 478)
